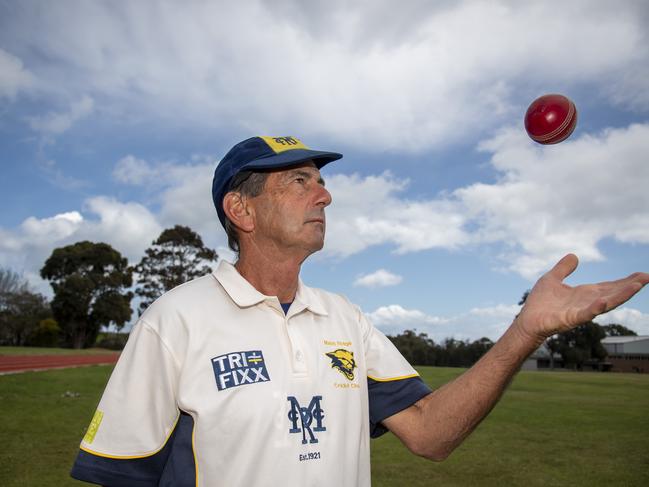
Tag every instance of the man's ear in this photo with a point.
(238, 211)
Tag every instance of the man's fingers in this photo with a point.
(641, 277)
(622, 295)
(612, 287)
(565, 267)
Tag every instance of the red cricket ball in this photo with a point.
(550, 119)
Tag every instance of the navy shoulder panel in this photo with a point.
(172, 465)
(390, 397)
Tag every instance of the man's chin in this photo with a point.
(316, 246)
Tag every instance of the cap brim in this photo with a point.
(293, 157)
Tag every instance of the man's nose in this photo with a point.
(324, 196)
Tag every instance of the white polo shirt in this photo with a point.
(217, 386)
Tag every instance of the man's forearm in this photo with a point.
(439, 422)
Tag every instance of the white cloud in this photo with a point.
(499, 311)
(189, 200)
(54, 228)
(396, 315)
(13, 76)
(128, 227)
(631, 318)
(354, 223)
(490, 322)
(557, 199)
(379, 278)
(547, 201)
(56, 123)
(182, 191)
(182, 195)
(131, 170)
(432, 75)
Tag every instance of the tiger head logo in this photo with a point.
(343, 361)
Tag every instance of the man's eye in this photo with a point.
(300, 180)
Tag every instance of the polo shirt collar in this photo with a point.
(245, 295)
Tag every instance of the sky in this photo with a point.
(113, 116)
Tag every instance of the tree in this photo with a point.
(11, 281)
(89, 281)
(417, 349)
(581, 344)
(46, 334)
(177, 256)
(616, 330)
(553, 346)
(20, 314)
(478, 348)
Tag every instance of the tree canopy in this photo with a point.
(89, 282)
(11, 281)
(178, 255)
(617, 330)
(419, 349)
(21, 309)
(581, 344)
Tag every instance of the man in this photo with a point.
(249, 377)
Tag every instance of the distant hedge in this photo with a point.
(112, 341)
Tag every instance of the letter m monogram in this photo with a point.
(302, 418)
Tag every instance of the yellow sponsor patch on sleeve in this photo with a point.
(94, 426)
(281, 144)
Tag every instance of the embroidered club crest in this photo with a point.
(343, 361)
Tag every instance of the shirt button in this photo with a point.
(298, 356)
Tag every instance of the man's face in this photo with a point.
(290, 210)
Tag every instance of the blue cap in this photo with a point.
(262, 153)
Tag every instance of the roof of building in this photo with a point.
(625, 339)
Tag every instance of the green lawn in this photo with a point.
(43, 422)
(554, 429)
(561, 428)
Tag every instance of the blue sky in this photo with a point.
(113, 116)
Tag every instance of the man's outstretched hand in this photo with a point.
(553, 307)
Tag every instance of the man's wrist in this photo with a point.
(522, 329)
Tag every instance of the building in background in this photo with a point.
(628, 353)
(541, 360)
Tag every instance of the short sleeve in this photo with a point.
(393, 384)
(135, 416)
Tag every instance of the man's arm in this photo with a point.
(435, 425)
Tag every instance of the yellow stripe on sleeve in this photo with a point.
(390, 379)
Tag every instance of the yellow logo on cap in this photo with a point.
(94, 426)
(281, 144)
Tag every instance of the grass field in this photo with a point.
(549, 429)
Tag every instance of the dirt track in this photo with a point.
(22, 363)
